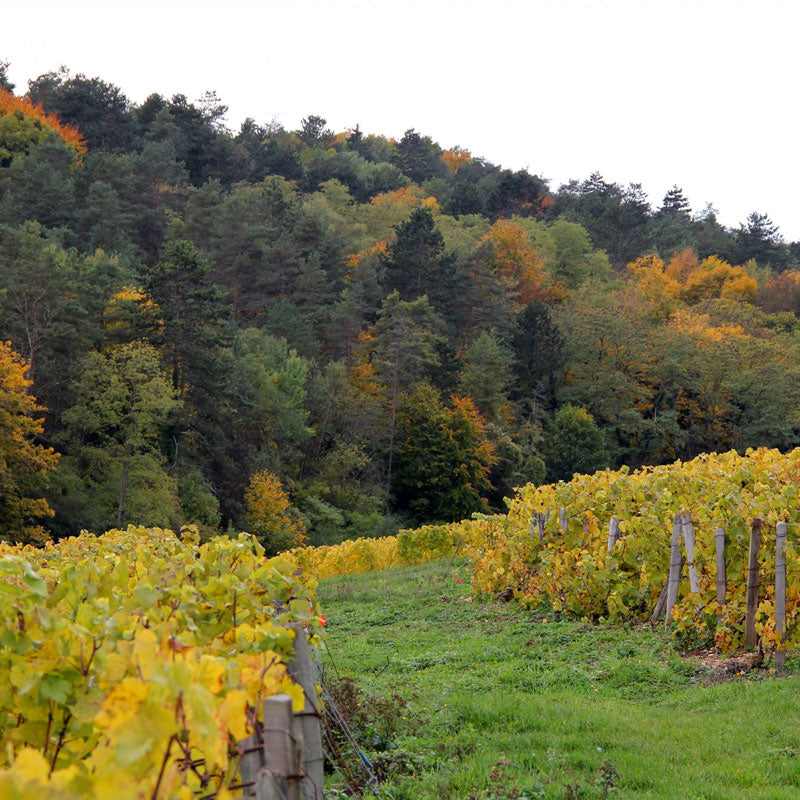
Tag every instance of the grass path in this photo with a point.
(503, 704)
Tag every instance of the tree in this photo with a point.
(712, 238)
(34, 281)
(113, 460)
(5, 81)
(269, 386)
(760, 239)
(539, 356)
(515, 261)
(313, 131)
(24, 124)
(416, 263)
(443, 458)
(418, 156)
(617, 218)
(192, 324)
(39, 187)
(518, 193)
(487, 375)
(574, 443)
(405, 344)
(574, 261)
(213, 110)
(23, 462)
(271, 516)
(98, 109)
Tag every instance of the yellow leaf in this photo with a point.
(116, 666)
(210, 673)
(232, 714)
(122, 703)
(145, 650)
(31, 764)
(295, 691)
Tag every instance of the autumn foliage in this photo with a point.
(515, 260)
(271, 515)
(22, 462)
(455, 158)
(692, 281)
(22, 107)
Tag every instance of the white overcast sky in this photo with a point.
(700, 93)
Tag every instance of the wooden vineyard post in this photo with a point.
(688, 542)
(537, 524)
(661, 603)
(722, 577)
(750, 637)
(250, 763)
(562, 520)
(613, 533)
(280, 777)
(302, 671)
(545, 520)
(780, 592)
(675, 564)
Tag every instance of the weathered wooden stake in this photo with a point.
(675, 565)
(661, 603)
(269, 787)
(780, 592)
(613, 533)
(722, 578)
(750, 637)
(308, 722)
(250, 763)
(562, 520)
(688, 543)
(281, 751)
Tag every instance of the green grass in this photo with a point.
(507, 704)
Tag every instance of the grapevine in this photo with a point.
(132, 663)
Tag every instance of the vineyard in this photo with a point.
(555, 546)
(583, 568)
(132, 663)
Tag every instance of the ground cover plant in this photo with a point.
(502, 703)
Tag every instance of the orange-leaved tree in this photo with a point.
(515, 260)
(23, 463)
(24, 123)
(455, 158)
(271, 516)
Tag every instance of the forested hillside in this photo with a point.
(315, 335)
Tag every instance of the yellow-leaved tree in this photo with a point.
(276, 522)
(22, 461)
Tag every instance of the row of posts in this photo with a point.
(682, 527)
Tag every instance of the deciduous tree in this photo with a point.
(23, 462)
